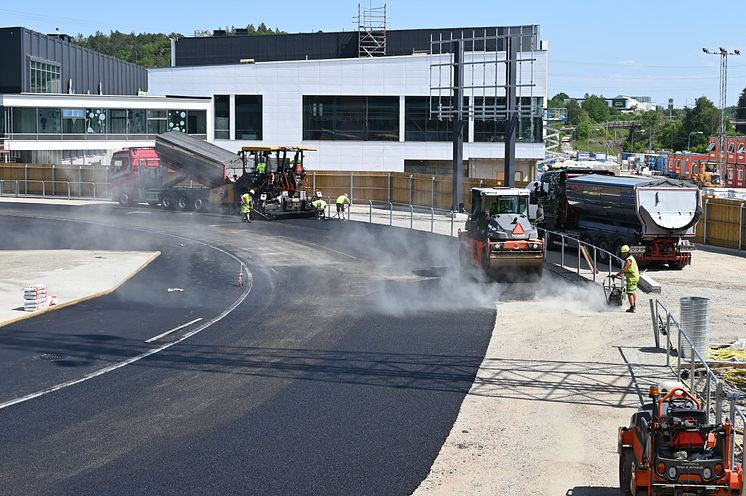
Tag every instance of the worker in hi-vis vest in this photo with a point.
(342, 200)
(632, 275)
(319, 205)
(246, 200)
(261, 167)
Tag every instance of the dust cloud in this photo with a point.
(438, 283)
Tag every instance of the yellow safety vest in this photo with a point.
(261, 167)
(632, 274)
(342, 199)
(246, 199)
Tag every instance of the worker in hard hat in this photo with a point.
(632, 275)
(319, 206)
(261, 167)
(342, 200)
(246, 200)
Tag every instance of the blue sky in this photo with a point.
(634, 48)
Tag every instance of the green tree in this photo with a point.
(703, 117)
(741, 112)
(573, 112)
(558, 100)
(597, 108)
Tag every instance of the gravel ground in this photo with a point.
(561, 374)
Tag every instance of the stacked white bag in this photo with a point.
(35, 297)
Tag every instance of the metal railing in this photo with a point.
(19, 188)
(698, 376)
(592, 250)
(411, 209)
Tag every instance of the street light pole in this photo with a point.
(689, 140)
(723, 54)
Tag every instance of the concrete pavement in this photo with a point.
(71, 275)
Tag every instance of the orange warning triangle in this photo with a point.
(518, 229)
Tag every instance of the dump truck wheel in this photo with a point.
(676, 265)
(603, 244)
(183, 203)
(198, 204)
(124, 200)
(626, 459)
(167, 201)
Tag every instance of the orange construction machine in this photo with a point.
(671, 448)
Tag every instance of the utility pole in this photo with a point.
(511, 121)
(458, 126)
(723, 54)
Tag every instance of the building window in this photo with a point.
(24, 120)
(95, 121)
(740, 174)
(197, 122)
(420, 124)
(156, 121)
(711, 146)
(117, 121)
(490, 115)
(3, 118)
(45, 78)
(73, 121)
(731, 147)
(249, 117)
(358, 118)
(50, 121)
(136, 121)
(222, 116)
(177, 120)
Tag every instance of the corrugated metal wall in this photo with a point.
(85, 67)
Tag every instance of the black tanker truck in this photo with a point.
(654, 216)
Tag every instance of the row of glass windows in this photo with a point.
(45, 78)
(248, 117)
(32, 120)
(376, 118)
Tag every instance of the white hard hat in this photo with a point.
(251, 191)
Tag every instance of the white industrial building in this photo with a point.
(363, 109)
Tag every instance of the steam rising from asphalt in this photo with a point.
(437, 283)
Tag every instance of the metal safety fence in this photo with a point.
(697, 375)
(38, 188)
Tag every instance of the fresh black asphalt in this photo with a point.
(342, 372)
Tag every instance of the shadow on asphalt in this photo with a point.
(612, 385)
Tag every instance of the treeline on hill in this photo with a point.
(148, 49)
(655, 130)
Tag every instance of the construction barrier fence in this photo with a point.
(423, 190)
(722, 223)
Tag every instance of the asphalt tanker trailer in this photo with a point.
(654, 216)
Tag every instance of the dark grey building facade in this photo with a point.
(32, 62)
(222, 49)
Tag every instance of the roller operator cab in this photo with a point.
(675, 447)
(498, 237)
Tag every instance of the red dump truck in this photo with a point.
(181, 172)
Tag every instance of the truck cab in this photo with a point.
(130, 167)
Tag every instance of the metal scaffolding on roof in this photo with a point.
(371, 27)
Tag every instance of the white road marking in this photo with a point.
(249, 285)
(178, 328)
